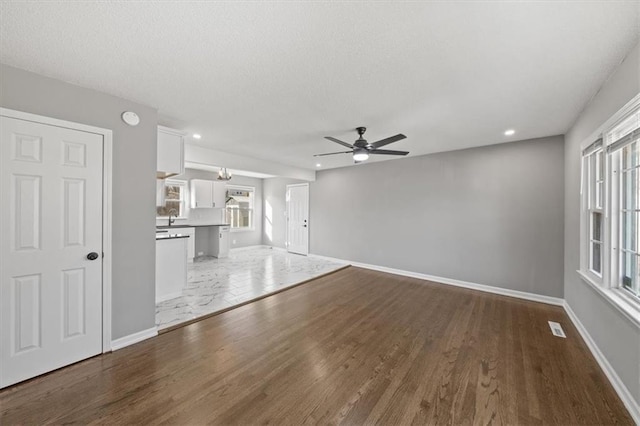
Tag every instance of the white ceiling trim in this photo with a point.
(198, 156)
(234, 172)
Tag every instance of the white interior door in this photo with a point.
(298, 218)
(50, 220)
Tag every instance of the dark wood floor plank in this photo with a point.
(354, 347)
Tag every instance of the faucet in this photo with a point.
(172, 212)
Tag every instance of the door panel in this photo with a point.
(298, 218)
(26, 218)
(74, 309)
(74, 202)
(26, 292)
(27, 148)
(50, 219)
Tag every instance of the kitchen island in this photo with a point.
(171, 265)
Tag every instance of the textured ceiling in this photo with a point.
(270, 79)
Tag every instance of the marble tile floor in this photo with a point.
(215, 284)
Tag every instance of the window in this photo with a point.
(624, 141)
(174, 199)
(239, 207)
(595, 178)
(610, 222)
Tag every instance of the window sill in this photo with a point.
(241, 229)
(622, 302)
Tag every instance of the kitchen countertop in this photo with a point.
(185, 225)
(165, 235)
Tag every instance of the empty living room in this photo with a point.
(320, 212)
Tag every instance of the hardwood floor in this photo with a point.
(353, 347)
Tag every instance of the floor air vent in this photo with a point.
(556, 329)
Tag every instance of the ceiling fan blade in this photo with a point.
(388, 152)
(338, 141)
(387, 141)
(332, 153)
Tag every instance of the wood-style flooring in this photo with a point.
(353, 347)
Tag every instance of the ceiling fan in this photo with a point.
(361, 149)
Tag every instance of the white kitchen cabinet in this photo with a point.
(219, 194)
(170, 152)
(220, 241)
(171, 268)
(191, 242)
(201, 194)
(207, 194)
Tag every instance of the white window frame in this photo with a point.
(608, 282)
(252, 210)
(594, 203)
(183, 197)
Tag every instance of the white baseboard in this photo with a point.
(623, 392)
(237, 249)
(275, 248)
(280, 249)
(264, 246)
(133, 338)
(458, 283)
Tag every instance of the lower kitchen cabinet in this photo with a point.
(191, 245)
(171, 267)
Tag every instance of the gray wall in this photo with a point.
(615, 335)
(134, 164)
(275, 208)
(490, 215)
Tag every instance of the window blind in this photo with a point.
(625, 133)
(593, 147)
(624, 141)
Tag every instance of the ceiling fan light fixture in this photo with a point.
(361, 149)
(360, 155)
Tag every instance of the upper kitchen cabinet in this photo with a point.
(219, 194)
(170, 152)
(207, 194)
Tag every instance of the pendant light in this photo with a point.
(223, 174)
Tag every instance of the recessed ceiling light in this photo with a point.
(197, 136)
(318, 165)
(509, 132)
